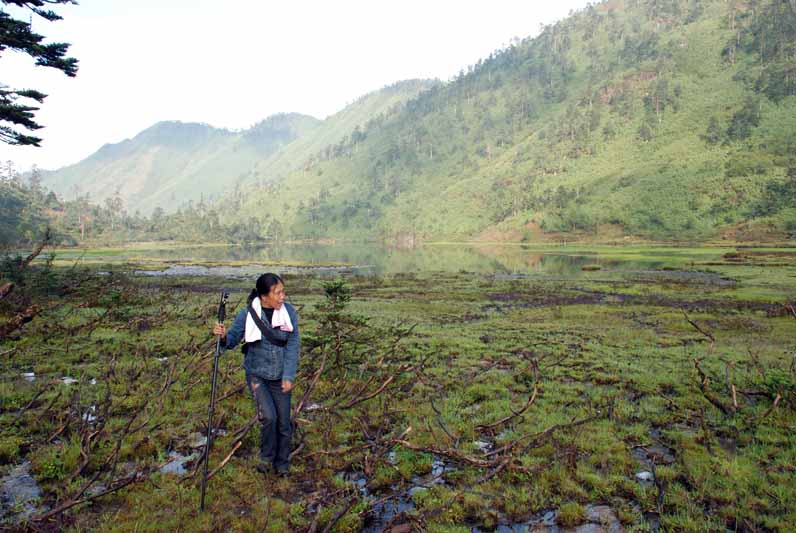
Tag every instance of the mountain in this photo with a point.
(661, 119)
(172, 163)
(333, 130)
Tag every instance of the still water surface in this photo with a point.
(369, 259)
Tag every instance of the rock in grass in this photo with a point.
(196, 440)
(605, 517)
(484, 446)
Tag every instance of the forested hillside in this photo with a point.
(666, 119)
(662, 120)
(176, 165)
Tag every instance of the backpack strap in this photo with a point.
(274, 336)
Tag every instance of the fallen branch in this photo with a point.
(515, 414)
(233, 392)
(340, 514)
(768, 411)
(403, 369)
(19, 320)
(484, 369)
(5, 289)
(311, 387)
(30, 403)
(696, 326)
(36, 251)
(238, 435)
(451, 454)
(137, 476)
(730, 386)
(226, 460)
(441, 424)
(340, 451)
(709, 396)
(236, 443)
(58, 431)
(535, 438)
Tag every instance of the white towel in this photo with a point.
(281, 319)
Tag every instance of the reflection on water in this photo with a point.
(371, 259)
(248, 271)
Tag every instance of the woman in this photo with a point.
(269, 328)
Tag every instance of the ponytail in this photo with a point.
(252, 296)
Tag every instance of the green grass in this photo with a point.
(610, 346)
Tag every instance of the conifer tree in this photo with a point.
(17, 106)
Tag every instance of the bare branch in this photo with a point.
(768, 411)
(709, 396)
(696, 326)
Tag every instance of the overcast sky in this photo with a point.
(232, 63)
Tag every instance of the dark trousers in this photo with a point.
(273, 412)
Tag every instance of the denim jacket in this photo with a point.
(263, 359)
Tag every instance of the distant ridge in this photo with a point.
(172, 163)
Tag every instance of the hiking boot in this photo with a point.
(283, 472)
(264, 468)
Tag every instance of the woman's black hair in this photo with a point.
(264, 285)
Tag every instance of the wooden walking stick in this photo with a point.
(222, 311)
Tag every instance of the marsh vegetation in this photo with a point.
(636, 397)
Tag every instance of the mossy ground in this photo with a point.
(614, 348)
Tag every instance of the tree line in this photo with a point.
(28, 210)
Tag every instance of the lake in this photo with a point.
(371, 259)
